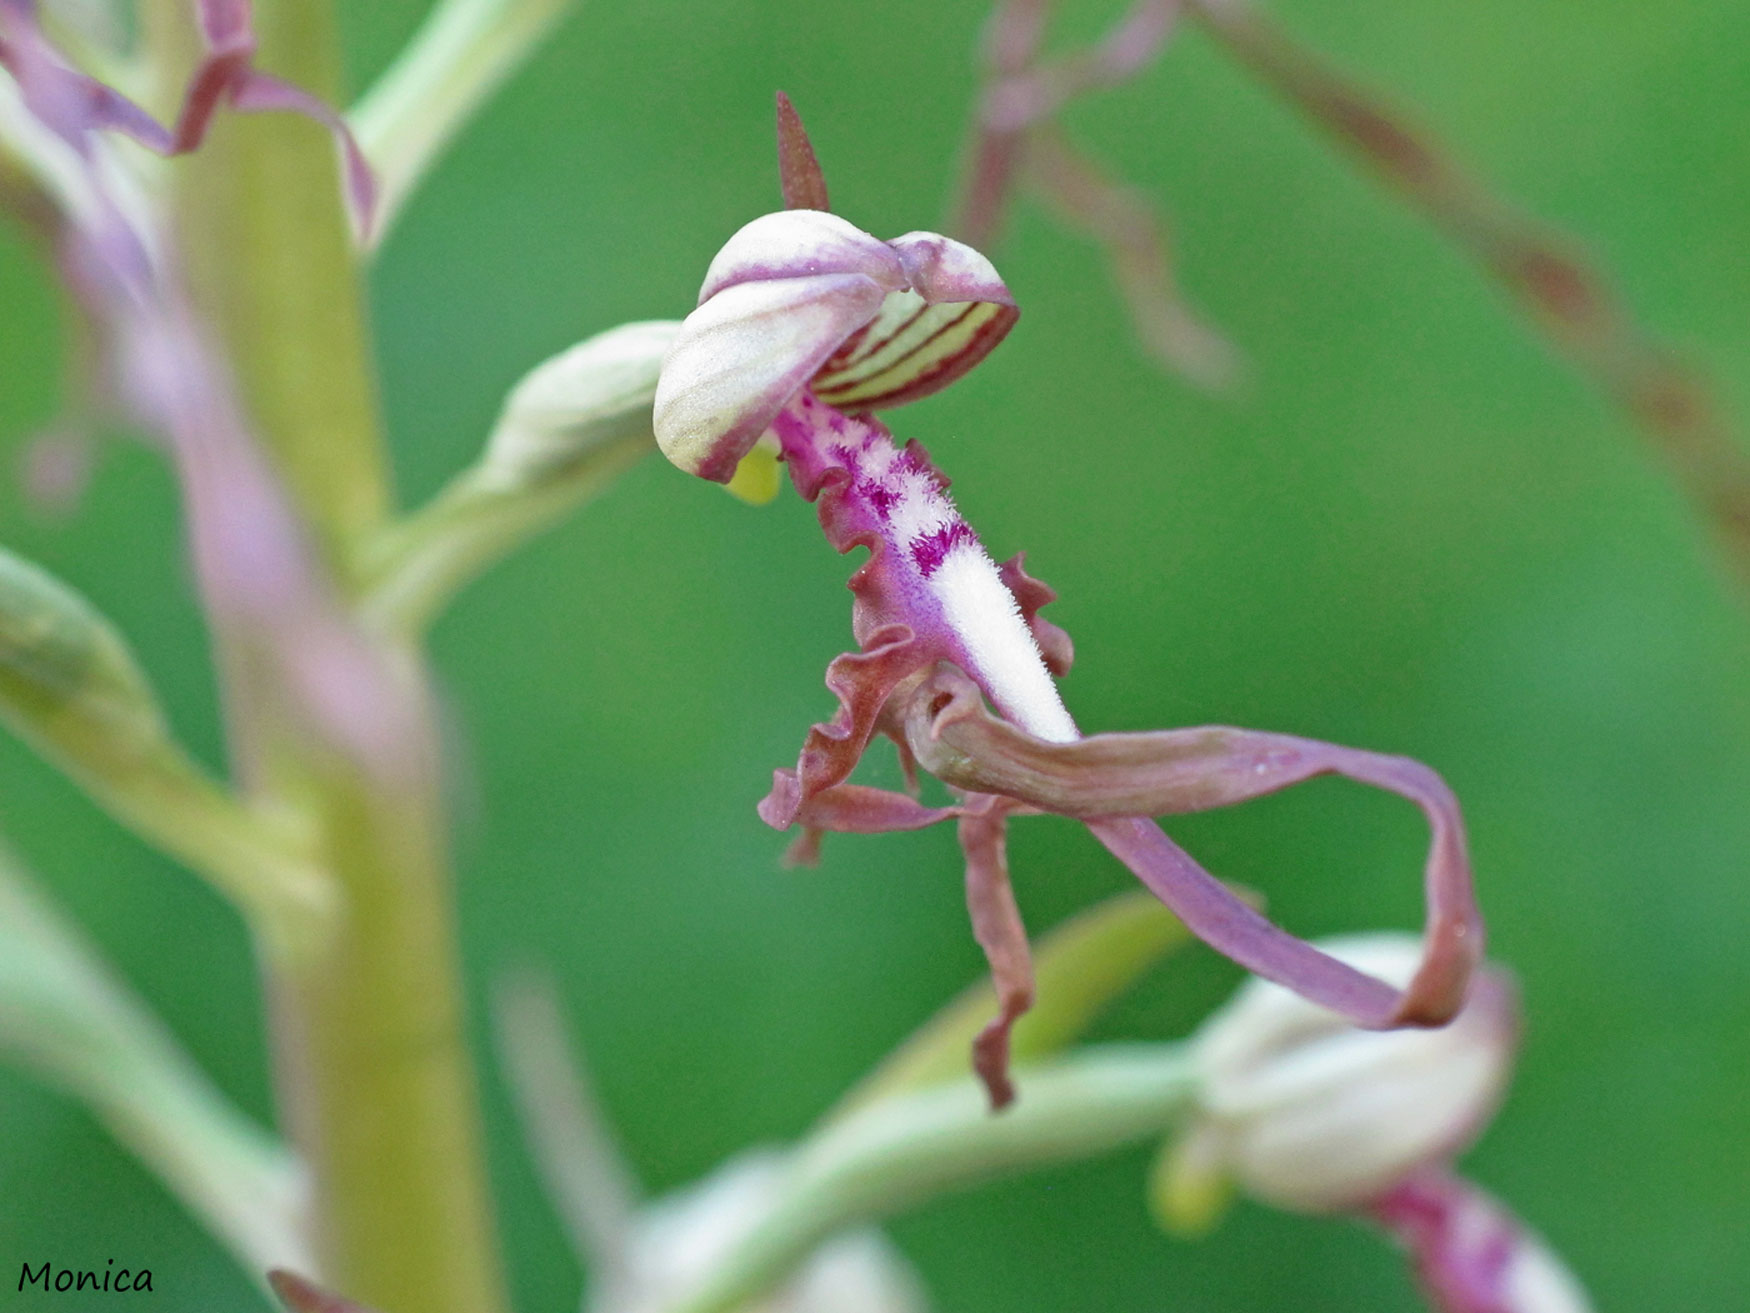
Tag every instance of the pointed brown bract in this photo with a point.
(798, 169)
(301, 1296)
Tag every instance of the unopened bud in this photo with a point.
(68, 683)
(568, 408)
(1302, 1110)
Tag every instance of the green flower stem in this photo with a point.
(375, 1076)
(415, 566)
(72, 689)
(375, 1080)
(895, 1153)
(263, 866)
(461, 53)
(65, 1015)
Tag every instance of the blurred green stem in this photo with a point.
(419, 563)
(374, 1076)
(68, 1017)
(261, 865)
(461, 53)
(902, 1150)
(271, 261)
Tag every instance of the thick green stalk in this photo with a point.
(374, 1075)
(268, 249)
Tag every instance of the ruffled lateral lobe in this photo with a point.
(1112, 781)
(802, 298)
(862, 681)
(73, 104)
(997, 925)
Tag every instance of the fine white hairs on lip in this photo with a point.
(918, 506)
(983, 614)
(975, 601)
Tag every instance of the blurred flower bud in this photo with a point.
(568, 408)
(67, 680)
(801, 298)
(680, 1241)
(1300, 1109)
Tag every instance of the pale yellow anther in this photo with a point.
(758, 477)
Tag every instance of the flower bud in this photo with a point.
(1304, 1111)
(68, 682)
(802, 298)
(569, 407)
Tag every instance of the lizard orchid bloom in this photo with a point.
(805, 324)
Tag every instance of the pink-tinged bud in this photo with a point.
(1302, 1110)
(802, 298)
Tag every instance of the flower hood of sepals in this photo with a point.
(797, 312)
(803, 299)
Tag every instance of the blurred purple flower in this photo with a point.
(264, 586)
(72, 104)
(804, 324)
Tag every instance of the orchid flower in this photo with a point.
(804, 325)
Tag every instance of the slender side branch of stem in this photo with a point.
(261, 865)
(416, 565)
(587, 1180)
(71, 688)
(66, 1015)
(456, 60)
(1569, 302)
(900, 1151)
(570, 427)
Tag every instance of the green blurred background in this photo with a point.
(1412, 531)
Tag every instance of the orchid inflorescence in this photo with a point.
(805, 325)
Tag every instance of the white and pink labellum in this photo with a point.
(802, 299)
